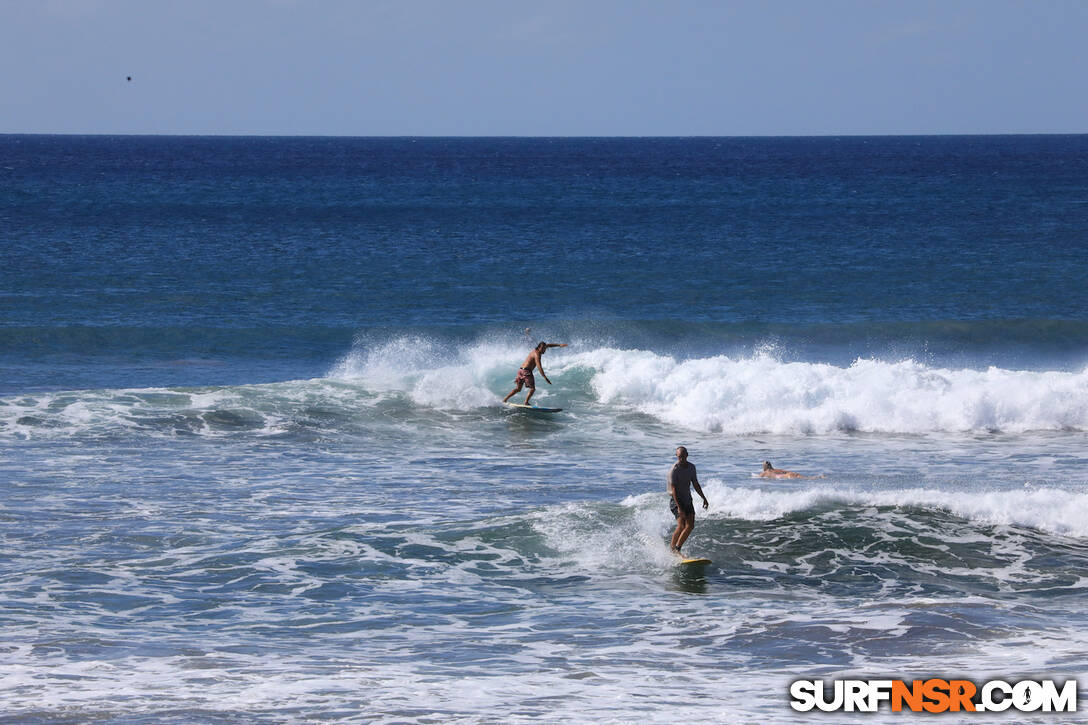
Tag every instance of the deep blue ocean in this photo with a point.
(254, 466)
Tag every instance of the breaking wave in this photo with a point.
(756, 394)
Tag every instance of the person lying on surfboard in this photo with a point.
(681, 479)
(770, 471)
(525, 374)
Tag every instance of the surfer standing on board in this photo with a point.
(681, 478)
(525, 374)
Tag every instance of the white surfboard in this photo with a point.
(534, 408)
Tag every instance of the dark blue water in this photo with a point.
(278, 251)
(253, 465)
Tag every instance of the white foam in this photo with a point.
(1047, 509)
(762, 394)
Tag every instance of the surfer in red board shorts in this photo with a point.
(525, 374)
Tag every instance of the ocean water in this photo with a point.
(254, 467)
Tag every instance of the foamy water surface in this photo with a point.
(387, 543)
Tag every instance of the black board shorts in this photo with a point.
(689, 509)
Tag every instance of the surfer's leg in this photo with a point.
(512, 392)
(530, 395)
(676, 536)
(679, 523)
(685, 532)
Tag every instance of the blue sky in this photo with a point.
(545, 68)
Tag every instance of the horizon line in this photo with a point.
(255, 134)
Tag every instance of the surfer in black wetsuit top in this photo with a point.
(681, 479)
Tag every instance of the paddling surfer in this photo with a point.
(769, 471)
(681, 480)
(525, 373)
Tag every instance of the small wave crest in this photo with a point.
(380, 382)
(256, 410)
(1045, 509)
(920, 541)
